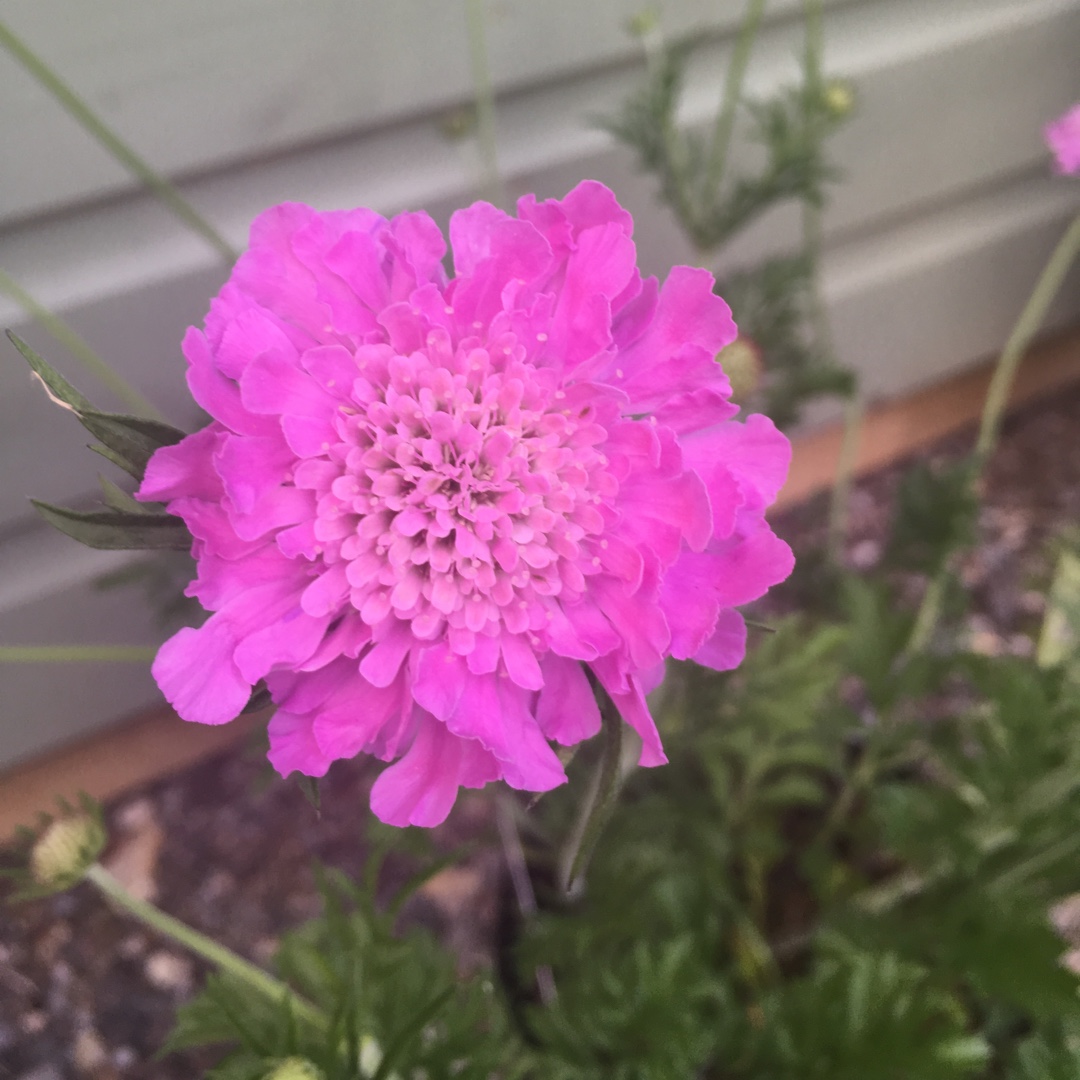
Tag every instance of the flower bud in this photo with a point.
(63, 853)
(644, 23)
(294, 1068)
(839, 97)
(741, 361)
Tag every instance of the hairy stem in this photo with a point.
(997, 397)
(729, 103)
(79, 348)
(514, 855)
(814, 43)
(599, 803)
(492, 185)
(112, 142)
(222, 958)
(1031, 318)
(842, 483)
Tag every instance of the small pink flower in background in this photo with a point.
(1063, 138)
(425, 506)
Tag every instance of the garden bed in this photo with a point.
(228, 848)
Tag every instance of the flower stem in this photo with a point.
(78, 347)
(997, 397)
(600, 801)
(61, 654)
(1031, 318)
(845, 475)
(112, 142)
(518, 868)
(222, 958)
(492, 183)
(729, 103)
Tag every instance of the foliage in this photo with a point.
(845, 871)
(776, 303)
(790, 127)
(393, 1003)
(773, 306)
(126, 441)
(935, 515)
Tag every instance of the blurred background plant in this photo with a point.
(784, 356)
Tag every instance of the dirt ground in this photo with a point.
(87, 993)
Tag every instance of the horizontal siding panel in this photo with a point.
(47, 595)
(202, 83)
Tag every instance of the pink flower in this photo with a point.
(1063, 137)
(424, 507)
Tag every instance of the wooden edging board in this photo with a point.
(154, 744)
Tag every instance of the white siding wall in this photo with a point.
(946, 214)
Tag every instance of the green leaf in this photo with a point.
(132, 439)
(260, 699)
(309, 787)
(56, 386)
(412, 1030)
(117, 498)
(129, 440)
(1060, 634)
(116, 530)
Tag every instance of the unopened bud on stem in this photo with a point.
(63, 853)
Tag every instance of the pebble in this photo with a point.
(33, 1022)
(133, 861)
(43, 1072)
(123, 1057)
(167, 971)
(865, 554)
(89, 1053)
(132, 947)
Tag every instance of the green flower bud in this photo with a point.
(63, 853)
(741, 361)
(294, 1068)
(839, 97)
(644, 23)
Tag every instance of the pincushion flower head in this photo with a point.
(1063, 138)
(426, 506)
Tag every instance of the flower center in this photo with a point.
(468, 488)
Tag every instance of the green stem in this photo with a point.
(928, 615)
(486, 135)
(1031, 318)
(997, 397)
(812, 213)
(222, 958)
(729, 103)
(600, 801)
(845, 477)
(812, 243)
(860, 779)
(112, 142)
(63, 654)
(815, 43)
(78, 348)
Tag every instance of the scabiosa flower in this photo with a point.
(424, 505)
(1063, 138)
